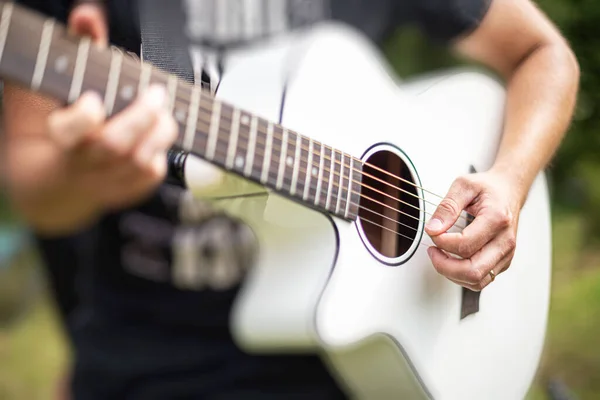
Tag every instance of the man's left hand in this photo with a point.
(487, 245)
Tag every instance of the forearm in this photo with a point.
(42, 191)
(541, 96)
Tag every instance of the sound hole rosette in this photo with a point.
(391, 216)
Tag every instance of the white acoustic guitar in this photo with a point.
(338, 214)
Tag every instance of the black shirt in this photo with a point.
(139, 330)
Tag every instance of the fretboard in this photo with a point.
(38, 53)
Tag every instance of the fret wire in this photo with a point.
(349, 194)
(172, 89)
(282, 158)
(7, 11)
(112, 85)
(341, 182)
(309, 167)
(296, 162)
(320, 179)
(331, 170)
(251, 146)
(42, 55)
(145, 72)
(233, 140)
(80, 65)
(267, 159)
(213, 132)
(192, 120)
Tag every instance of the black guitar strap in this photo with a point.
(167, 48)
(163, 41)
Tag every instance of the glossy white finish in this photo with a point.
(388, 332)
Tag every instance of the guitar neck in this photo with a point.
(39, 53)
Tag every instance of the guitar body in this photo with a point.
(376, 310)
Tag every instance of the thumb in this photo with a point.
(459, 197)
(89, 19)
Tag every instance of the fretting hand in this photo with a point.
(118, 161)
(487, 245)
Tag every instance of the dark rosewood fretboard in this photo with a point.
(38, 53)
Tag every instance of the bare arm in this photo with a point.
(542, 74)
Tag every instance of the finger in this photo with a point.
(497, 270)
(109, 177)
(89, 20)
(158, 140)
(69, 126)
(137, 187)
(472, 239)
(471, 270)
(121, 133)
(464, 284)
(460, 196)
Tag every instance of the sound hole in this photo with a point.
(389, 211)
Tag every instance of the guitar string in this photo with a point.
(70, 45)
(202, 119)
(421, 243)
(315, 164)
(361, 194)
(212, 100)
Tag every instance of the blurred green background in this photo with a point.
(34, 354)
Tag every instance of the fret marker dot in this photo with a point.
(239, 161)
(245, 119)
(61, 64)
(289, 161)
(127, 92)
(315, 171)
(180, 116)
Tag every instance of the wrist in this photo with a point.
(517, 180)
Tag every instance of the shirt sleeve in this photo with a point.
(58, 9)
(445, 20)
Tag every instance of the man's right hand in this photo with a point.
(116, 162)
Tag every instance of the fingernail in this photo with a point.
(91, 102)
(434, 224)
(430, 251)
(91, 98)
(156, 96)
